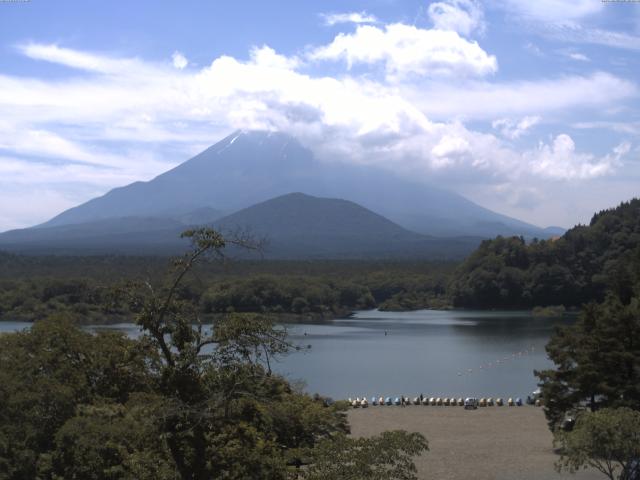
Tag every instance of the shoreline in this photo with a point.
(307, 318)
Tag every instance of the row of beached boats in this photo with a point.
(470, 402)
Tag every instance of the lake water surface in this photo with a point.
(437, 353)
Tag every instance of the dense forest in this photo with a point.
(85, 288)
(581, 266)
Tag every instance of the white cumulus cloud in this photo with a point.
(560, 160)
(462, 16)
(406, 50)
(179, 60)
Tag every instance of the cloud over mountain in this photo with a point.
(421, 100)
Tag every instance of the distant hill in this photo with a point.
(295, 226)
(250, 167)
(299, 225)
(578, 267)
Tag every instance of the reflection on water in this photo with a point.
(437, 353)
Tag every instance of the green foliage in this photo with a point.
(286, 294)
(385, 457)
(607, 440)
(299, 289)
(38, 298)
(46, 373)
(597, 361)
(579, 267)
(110, 441)
(182, 401)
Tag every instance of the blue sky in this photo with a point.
(528, 108)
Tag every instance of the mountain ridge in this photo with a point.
(296, 226)
(248, 167)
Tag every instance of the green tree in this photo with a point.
(607, 440)
(388, 456)
(46, 373)
(597, 361)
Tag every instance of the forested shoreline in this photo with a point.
(505, 273)
(86, 288)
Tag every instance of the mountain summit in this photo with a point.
(250, 167)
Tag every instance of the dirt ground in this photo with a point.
(491, 443)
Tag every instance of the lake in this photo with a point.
(438, 353)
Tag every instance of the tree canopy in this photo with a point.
(597, 361)
(183, 401)
(607, 440)
(579, 267)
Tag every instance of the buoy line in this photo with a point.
(498, 362)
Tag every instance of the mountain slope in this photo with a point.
(295, 226)
(298, 225)
(249, 167)
(127, 235)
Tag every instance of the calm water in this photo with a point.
(437, 353)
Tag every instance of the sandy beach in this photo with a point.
(492, 443)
